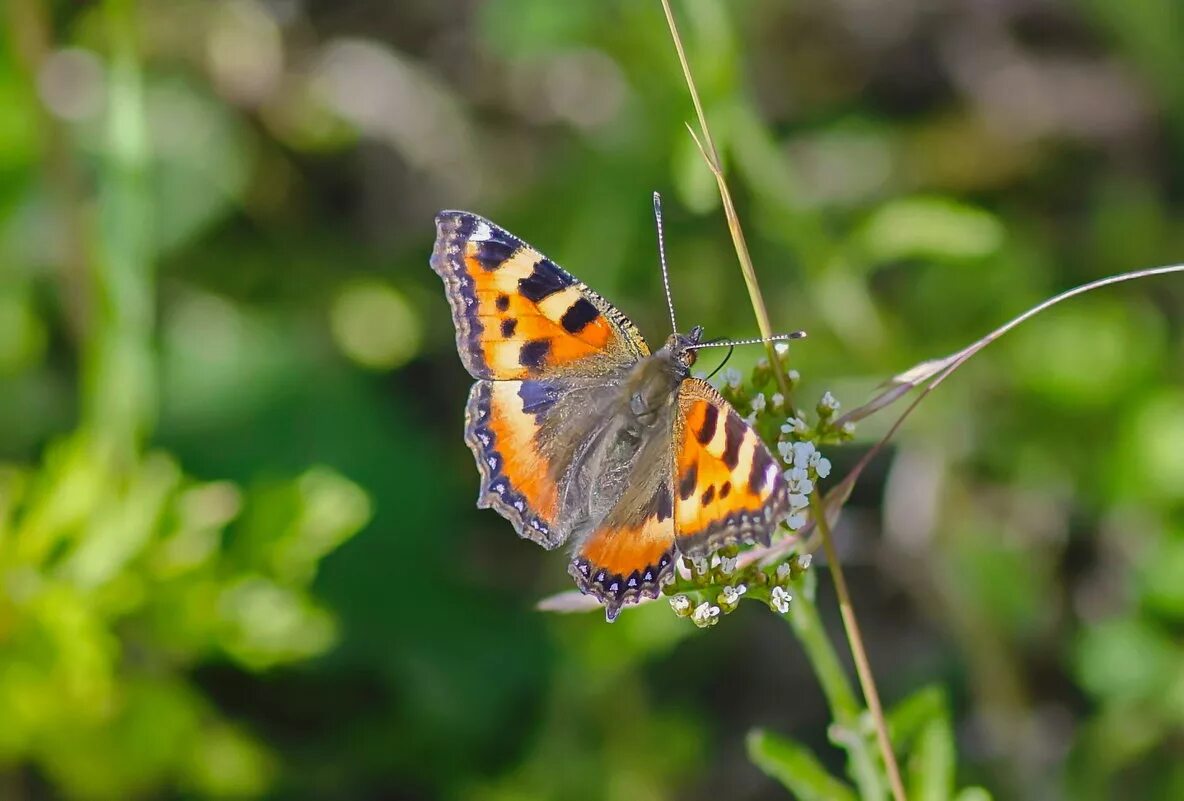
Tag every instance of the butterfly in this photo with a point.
(582, 435)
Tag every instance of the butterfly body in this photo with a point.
(582, 436)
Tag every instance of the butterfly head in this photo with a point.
(681, 346)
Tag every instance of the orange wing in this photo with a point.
(517, 313)
(623, 560)
(501, 427)
(728, 487)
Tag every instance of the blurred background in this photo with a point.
(239, 555)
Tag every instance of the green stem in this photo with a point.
(855, 640)
(120, 386)
(711, 156)
(840, 697)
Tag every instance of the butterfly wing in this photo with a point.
(628, 557)
(541, 344)
(727, 486)
(518, 315)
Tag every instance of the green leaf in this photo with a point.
(931, 765)
(973, 794)
(913, 714)
(795, 767)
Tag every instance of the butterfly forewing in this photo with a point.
(518, 315)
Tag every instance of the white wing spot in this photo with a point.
(482, 232)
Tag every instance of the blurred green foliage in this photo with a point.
(238, 554)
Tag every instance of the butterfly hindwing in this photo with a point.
(628, 557)
(728, 487)
(519, 315)
(502, 422)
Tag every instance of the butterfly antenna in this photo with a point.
(662, 258)
(755, 341)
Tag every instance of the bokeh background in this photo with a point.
(238, 550)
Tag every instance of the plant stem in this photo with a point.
(711, 156)
(844, 706)
(854, 639)
(120, 386)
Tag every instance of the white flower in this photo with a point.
(778, 400)
(762, 363)
(681, 605)
(802, 451)
(822, 468)
(804, 560)
(731, 595)
(794, 425)
(848, 428)
(732, 377)
(727, 565)
(779, 600)
(758, 402)
(795, 521)
(705, 615)
(795, 474)
(699, 564)
(785, 451)
(783, 571)
(798, 501)
(794, 376)
(828, 402)
(782, 348)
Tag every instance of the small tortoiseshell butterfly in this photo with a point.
(582, 435)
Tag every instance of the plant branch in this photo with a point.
(854, 639)
(939, 370)
(844, 706)
(711, 155)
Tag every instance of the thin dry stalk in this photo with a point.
(866, 679)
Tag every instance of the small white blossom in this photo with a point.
(804, 560)
(798, 501)
(778, 400)
(779, 600)
(794, 425)
(822, 468)
(705, 615)
(795, 521)
(732, 377)
(802, 451)
(785, 451)
(782, 348)
(783, 572)
(762, 363)
(699, 564)
(681, 605)
(848, 428)
(731, 595)
(758, 402)
(828, 402)
(794, 376)
(727, 565)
